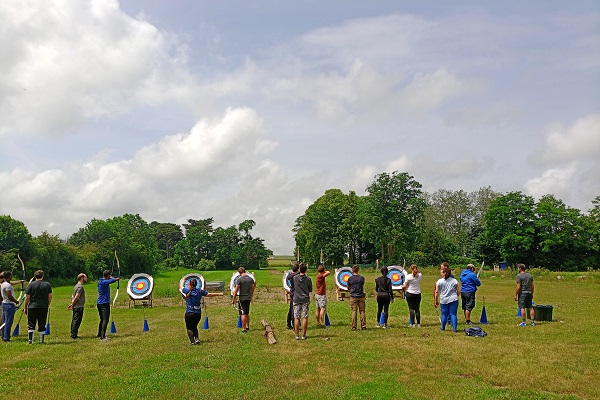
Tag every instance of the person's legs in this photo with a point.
(453, 309)
(8, 318)
(444, 308)
(386, 309)
(290, 316)
(417, 308)
(354, 307)
(76, 321)
(380, 303)
(305, 310)
(297, 310)
(363, 314)
(104, 312)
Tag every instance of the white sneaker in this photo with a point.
(411, 325)
(418, 325)
(377, 326)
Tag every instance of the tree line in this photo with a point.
(140, 246)
(396, 221)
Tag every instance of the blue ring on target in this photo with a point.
(140, 286)
(183, 283)
(341, 277)
(396, 275)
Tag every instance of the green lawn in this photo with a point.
(554, 360)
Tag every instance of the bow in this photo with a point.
(118, 282)
(22, 278)
(480, 269)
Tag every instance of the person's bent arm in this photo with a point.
(517, 291)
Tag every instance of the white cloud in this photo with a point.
(82, 60)
(557, 181)
(580, 140)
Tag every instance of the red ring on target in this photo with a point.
(140, 286)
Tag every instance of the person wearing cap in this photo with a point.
(468, 286)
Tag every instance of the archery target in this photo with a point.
(234, 280)
(396, 275)
(341, 277)
(140, 286)
(183, 283)
(287, 283)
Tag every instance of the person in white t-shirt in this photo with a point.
(412, 292)
(446, 295)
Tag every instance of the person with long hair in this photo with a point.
(412, 290)
(193, 310)
(383, 287)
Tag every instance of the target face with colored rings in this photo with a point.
(234, 280)
(140, 286)
(184, 282)
(396, 275)
(287, 283)
(341, 277)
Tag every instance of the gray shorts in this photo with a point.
(526, 300)
(320, 301)
(301, 310)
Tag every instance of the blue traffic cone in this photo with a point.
(240, 321)
(382, 318)
(47, 331)
(16, 331)
(146, 327)
(519, 312)
(205, 327)
(113, 328)
(327, 323)
(483, 319)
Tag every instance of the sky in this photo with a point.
(236, 110)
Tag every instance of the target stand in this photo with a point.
(397, 274)
(139, 289)
(341, 277)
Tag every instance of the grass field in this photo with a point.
(554, 360)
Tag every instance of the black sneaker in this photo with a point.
(469, 322)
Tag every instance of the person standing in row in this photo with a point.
(103, 303)
(385, 294)
(356, 284)
(302, 289)
(290, 278)
(321, 295)
(468, 286)
(446, 295)
(524, 294)
(193, 310)
(245, 287)
(77, 305)
(37, 303)
(412, 289)
(9, 305)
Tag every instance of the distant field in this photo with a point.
(281, 261)
(554, 360)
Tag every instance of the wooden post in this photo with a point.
(269, 334)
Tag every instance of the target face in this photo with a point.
(287, 283)
(396, 275)
(140, 286)
(234, 280)
(184, 282)
(341, 277)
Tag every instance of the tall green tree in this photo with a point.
(167, 235)
(392, 213)
(510, 229)
(15, 238)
